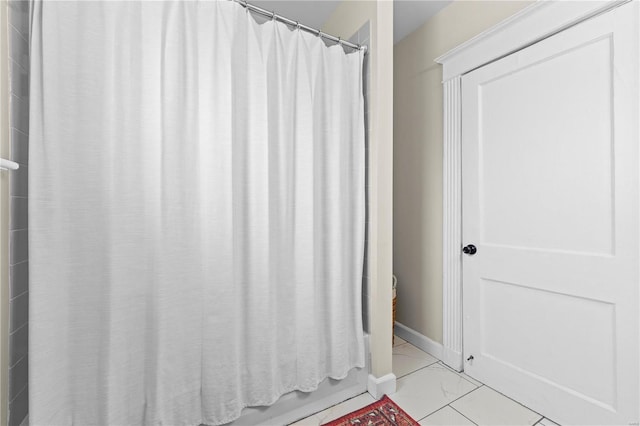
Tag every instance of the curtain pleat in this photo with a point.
(196, 209)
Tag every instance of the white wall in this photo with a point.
(417, 199)
(348, 17)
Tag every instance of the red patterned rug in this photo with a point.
(381, 413)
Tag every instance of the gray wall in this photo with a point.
(18, 222)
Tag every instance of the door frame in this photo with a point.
(536, 22)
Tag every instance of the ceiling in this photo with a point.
(408, 14)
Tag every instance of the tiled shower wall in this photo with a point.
(363, 37)
(18, 222)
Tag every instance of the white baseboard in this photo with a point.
(420, 341)
(451, 358)
(380, 386)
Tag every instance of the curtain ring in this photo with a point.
(273, 15)
(298, 24)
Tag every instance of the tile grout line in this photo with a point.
(454, 409)
(22, 99)
(12, 298)
(18, 361)
(459, 375)
(517, 402)
(445, 406)
(18, 329)
(507, 397)
(17, 129)
(19, 392)
(415, 371)
(461, 396)
(19, 33)
(15, 61)
(450, 370)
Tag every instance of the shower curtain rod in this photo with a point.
(274, 15)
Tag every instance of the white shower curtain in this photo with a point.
(196, 186)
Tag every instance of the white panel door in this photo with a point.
(550, 200)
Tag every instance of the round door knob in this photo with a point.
(470, 250)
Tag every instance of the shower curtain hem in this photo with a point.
(280, 395)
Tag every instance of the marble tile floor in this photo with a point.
(434, 395)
